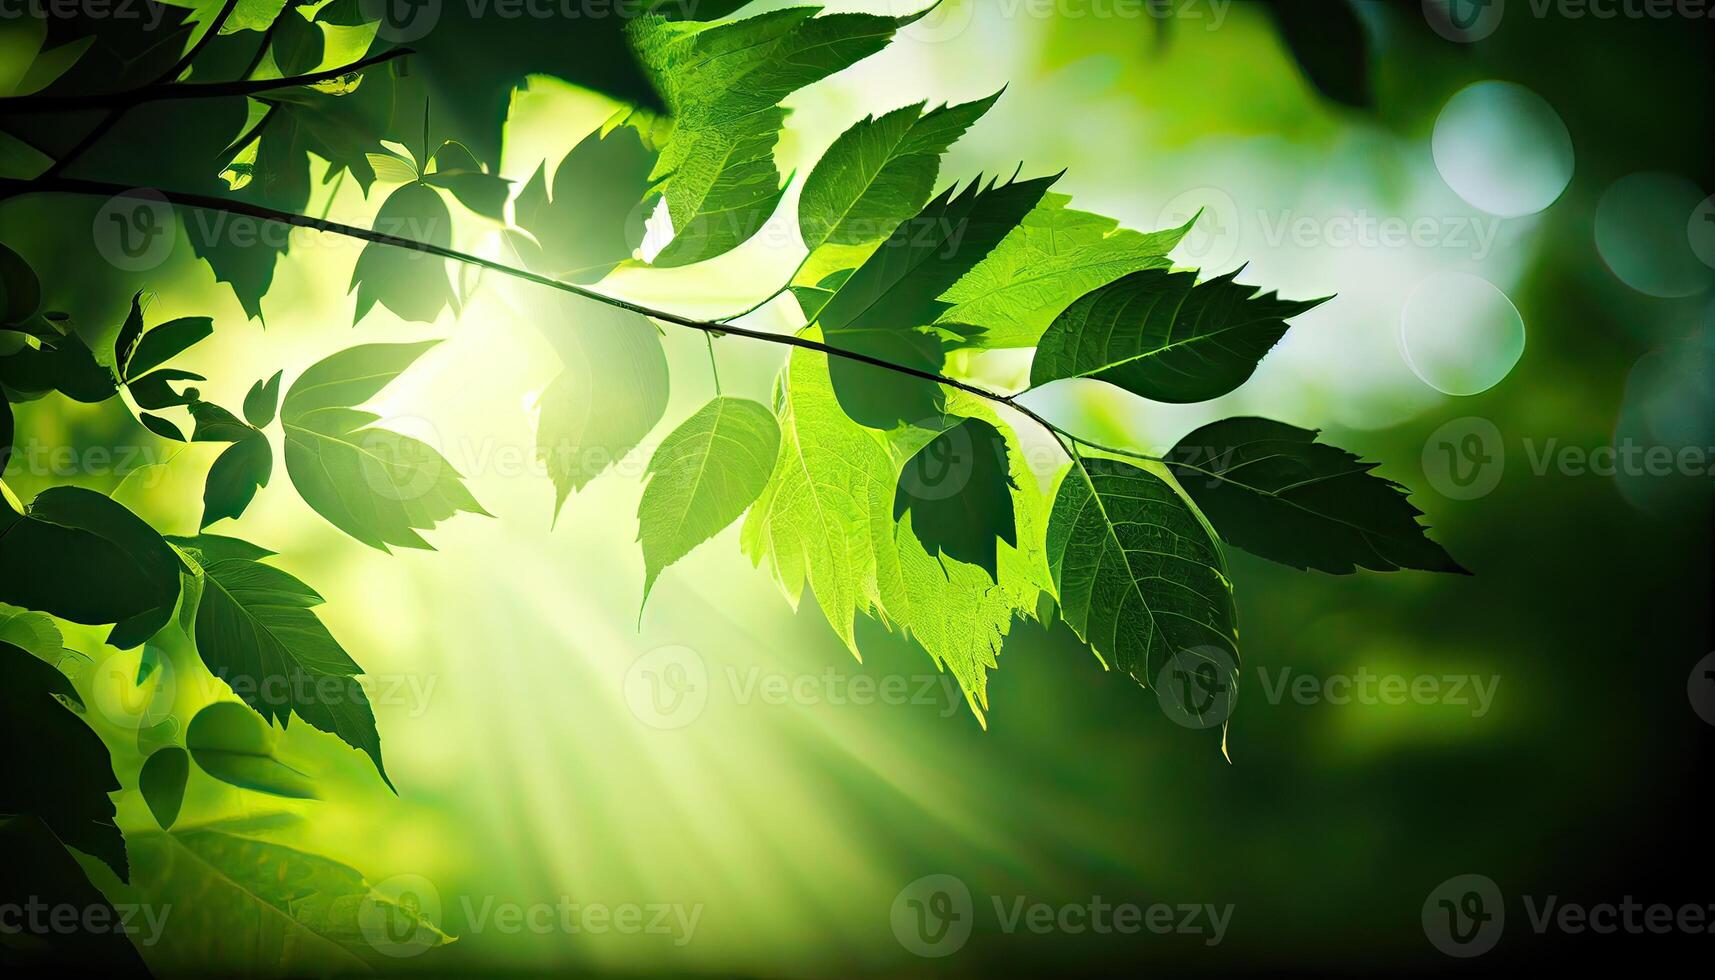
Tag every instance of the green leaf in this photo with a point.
(262, 401)
(827, 503)
(166, 342)
(68, 367)
(826, 517)
(1051, 259)
(34, 863)
(154, 390)
(1139, 576)
(1273, 490)
(611, 393)
(32, 631)
(255, 630)
(593, 218)
(413, 284)
(959, 491)
(216, 424)
(878, 310)
(456, 170)
(1165, 336)
(473, 57)
(724, 84)
(242, 469)
(56, 768)
(161, 426)
(376, 485)
(46, 556)
(129, 333)
(232, 744)
(880, 172)
(20, 289)
(263, 908)
(297, 45)
(162, 783)
(702, 478)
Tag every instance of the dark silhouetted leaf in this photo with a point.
(1165, 336)
(34, 865)
(878, 311)
(162, 783)
(56, 768)
(1139, 576)
(958, 489)
(1273, 490)
(255, 630)
(46, 557)
(166, 342)
(242, 469)
(262, 401)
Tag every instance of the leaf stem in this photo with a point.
(714, 368)
(12, 186)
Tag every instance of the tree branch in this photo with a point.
(166, 91)
(11, 187)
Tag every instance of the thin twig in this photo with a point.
(10, 187)
(162, 92)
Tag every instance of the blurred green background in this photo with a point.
(535, 767)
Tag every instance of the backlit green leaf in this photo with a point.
(234, 745)
(264, 908)
(1055, 256)
(413, 284)
(374, 484)
(701, 479)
